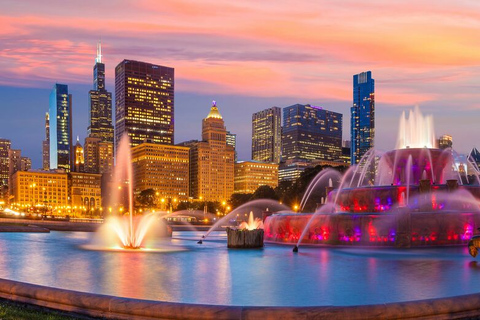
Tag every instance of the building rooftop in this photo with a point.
(214, 113)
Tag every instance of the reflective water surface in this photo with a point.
(212, 274)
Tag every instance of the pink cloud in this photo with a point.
(309, 50)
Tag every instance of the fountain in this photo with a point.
(257, 209)
(252, 224)
(247, 235)
(415, 195)
(128, 232)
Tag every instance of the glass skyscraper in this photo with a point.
(46, 144)
(362, 115)
(311, 133)
(100, 104)
(267, 135)
(60, 113)
(144, 102)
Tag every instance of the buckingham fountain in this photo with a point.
(415, 195)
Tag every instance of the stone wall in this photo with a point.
(467, 306)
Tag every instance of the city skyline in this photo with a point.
(430, 67)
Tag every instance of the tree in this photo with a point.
(291, 193)
(264, 192)
(237, 199)
(146, 198)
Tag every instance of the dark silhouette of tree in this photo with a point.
(146, 199)
(237, 199)
(291, 193)
(264, 192)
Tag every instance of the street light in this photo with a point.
(295, 208)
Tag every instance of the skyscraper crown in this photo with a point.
(98, 59)
(214, 113)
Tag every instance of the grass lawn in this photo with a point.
(10, 310)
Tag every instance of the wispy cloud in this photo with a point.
(310, 49)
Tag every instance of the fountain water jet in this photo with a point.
(259, 206)
(130, 231)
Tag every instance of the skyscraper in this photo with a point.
(60, 113)
(212, 161)
(78, 165)
(144, 102)
(362, 115)
(5, 145)
(100, 103)
(311, 133)
(14, 163)
(46, 144)
(232, 141)
(26, 164)
(267, 135)
(98, 155)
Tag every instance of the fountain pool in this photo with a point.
(212, 274)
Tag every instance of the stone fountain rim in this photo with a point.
(128, 308)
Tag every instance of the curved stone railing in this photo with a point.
(125, 308)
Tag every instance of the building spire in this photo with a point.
(214, 113)
(98, 59)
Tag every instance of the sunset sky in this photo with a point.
(248, 56)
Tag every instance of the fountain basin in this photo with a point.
(465, 306)
(237, 238)
(212, 274)
(378, 199)
(402, 229)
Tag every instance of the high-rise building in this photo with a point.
(14, 163)
(79, 164)
(311, 133)
(98, 155)
(267, 135)
(4, 161)
(91, 155)
(46, 144)
(26, 164)
(60, 113)
(232, 141)
(100, 103)
(144, 102)
(105, 157)
(362, 115)
(346, 145)
(249, 175)
(445, 141)
(291, 170)
(163, 168)
(211, 161)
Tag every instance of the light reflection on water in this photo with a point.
(212, 274)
